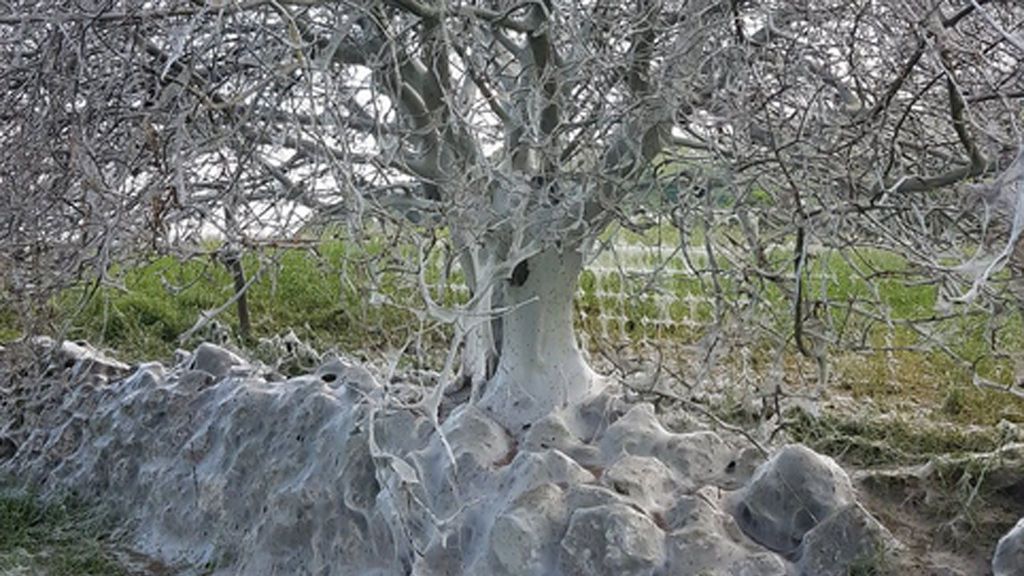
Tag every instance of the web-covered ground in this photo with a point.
(218, 465)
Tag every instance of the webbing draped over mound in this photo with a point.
(211, 464)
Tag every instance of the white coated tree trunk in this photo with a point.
(541, 367)
(479, 350)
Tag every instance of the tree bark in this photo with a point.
(233, 262)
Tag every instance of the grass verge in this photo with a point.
(52, 539)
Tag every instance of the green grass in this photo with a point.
(8, 316)
(910, 404)
(361, 297)
(883, 439)
(322, 294)
(59, 539)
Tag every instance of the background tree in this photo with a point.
(510, 135)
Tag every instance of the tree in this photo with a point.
(515, 131)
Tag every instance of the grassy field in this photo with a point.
(320, 293)
(56, 539)
(905, 399)
(333, 294)
(361, 298)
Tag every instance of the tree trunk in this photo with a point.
(479, 353)
(541, 367)
(234, 264)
